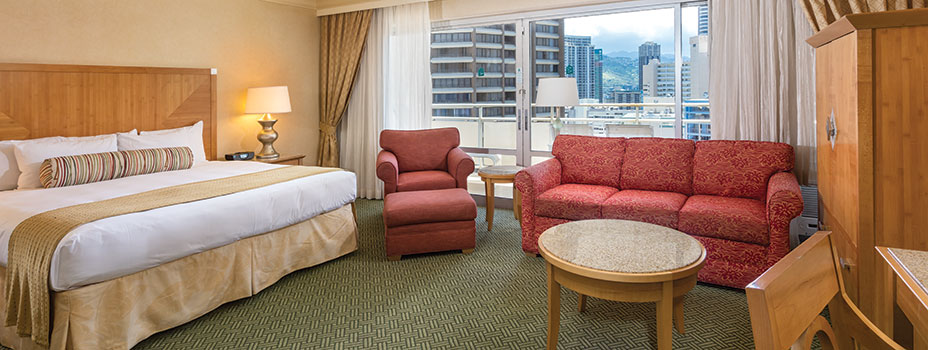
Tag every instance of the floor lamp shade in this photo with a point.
(557, 92)
(267, 100)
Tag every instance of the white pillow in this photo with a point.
(31, 153)
(190, 136)
(9, 170)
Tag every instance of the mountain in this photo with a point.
(619, 71)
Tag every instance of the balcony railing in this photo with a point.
(631, 114)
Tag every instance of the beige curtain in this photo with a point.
(342, 42)
(823, 12)
(762, 76)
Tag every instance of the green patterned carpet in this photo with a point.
(492, 299)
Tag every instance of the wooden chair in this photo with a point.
(786, 302)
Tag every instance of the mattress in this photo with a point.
(126, 244)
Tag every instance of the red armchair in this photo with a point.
(416, 160)
(736, 197)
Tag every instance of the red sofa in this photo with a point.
(736, 197)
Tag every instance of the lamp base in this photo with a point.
(267, 136)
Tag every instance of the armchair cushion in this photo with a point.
(590, 160)
(460, 166)
(659, 208)
(734, 219)
(417, 150)
(425, 180)
(658, 164)
(738, 168)
(388, 170)
(573, 201)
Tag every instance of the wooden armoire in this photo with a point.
(872, 135)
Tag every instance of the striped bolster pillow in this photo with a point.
(88, 168)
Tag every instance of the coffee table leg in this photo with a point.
(491, 188)
(581, 303)
(554, 308)
(678, 313)
(665, 317)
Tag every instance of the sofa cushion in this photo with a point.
(420, 207)
(660, 208)
(424, 180)
(735, 219)
(658, 164)
(590, 160)
(738, 168)
(417, 150)
(573, 201)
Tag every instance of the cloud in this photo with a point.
(627, 30)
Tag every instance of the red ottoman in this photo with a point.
(429, 221)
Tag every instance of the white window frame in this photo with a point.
(524, 151)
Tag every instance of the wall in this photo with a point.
(251, 43)
(458, 9)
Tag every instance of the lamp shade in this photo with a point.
(273, 99)
(557, 92)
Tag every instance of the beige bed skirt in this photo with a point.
(119, 313)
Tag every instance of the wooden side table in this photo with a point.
(295, 159)
(500, 174)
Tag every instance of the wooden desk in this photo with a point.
(906, 277)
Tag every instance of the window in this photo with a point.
(641, 70)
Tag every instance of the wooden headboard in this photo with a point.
(40, 100)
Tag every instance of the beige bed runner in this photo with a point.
(33, 242)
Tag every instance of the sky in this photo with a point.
(626, 31)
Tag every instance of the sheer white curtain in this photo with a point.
(393, 90)
(762, 80)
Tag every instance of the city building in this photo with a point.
(703, 28)
(658, 77)
(477, 65)
(647, 52)
(581, 61)
(598, 75)
(626, 97)
(696, 131)
(699, 67)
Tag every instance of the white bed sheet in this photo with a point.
(122, 245)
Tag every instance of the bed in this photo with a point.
(118, 280)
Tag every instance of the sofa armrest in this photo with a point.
(388, 170)
(460, 166)
(538, 178)
(784, 202)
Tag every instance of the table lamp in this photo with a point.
(267, 100)
(558, 93)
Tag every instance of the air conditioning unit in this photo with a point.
(806, 224)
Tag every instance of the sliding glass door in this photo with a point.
(475, 89)
(641, 69)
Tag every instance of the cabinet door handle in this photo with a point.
(845, 264)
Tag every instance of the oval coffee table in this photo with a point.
(621, 260)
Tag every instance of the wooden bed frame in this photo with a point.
(41, 100)
(38, 100)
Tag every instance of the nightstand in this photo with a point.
(295, 159)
